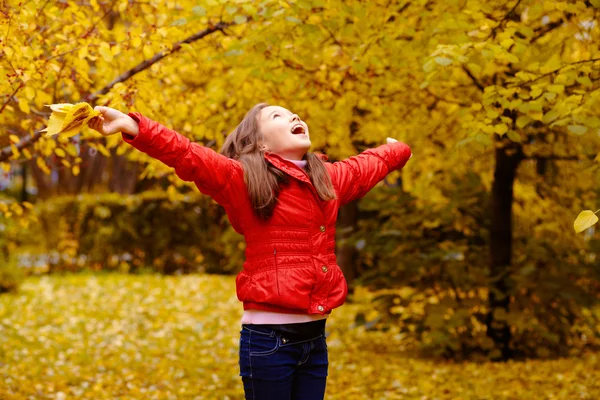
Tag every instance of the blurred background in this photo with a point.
(467, 277)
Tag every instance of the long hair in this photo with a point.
(262, 179)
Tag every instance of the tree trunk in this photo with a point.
(24, 194)
(346, 252)
(508, 158)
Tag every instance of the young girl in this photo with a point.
(284, 200)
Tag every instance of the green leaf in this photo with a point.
(577, 129)
(179, 22)
(501, 129)
(550, 116)
(294, 20)
(444, 61)
(199, 11)
(514, 136)
(522, 121)
(556, 88)
(585, 80)
(240, 19)
(189, 48)
(584, 220)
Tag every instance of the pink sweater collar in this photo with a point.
(299, 163)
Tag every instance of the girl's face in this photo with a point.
(284, 133)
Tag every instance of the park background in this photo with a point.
(467, 278)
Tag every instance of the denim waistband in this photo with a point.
(296, 331)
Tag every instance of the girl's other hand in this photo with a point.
(392, 140)
(113, 121)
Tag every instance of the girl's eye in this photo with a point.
(275, 116)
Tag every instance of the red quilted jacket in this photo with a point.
(290, 261)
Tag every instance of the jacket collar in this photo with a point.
(287, 166)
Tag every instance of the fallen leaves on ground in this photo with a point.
(153, 337)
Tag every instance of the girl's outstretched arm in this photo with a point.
(355, 176)
(212, 172)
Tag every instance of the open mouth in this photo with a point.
(298, 130)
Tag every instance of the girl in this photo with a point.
(284, 200)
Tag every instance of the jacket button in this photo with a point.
(322, 228)
(324, 268)
(320, 308)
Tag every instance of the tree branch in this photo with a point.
(27, 141)
(503, 20)
(157, 57)
(475, 81)
(593, 60)
(542, 31)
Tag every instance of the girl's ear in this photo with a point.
(263, 147)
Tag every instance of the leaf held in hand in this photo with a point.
(68, 119)
(584, 220)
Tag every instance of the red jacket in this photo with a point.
(290, 261)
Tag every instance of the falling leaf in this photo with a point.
(584, 220)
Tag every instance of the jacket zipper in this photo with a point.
(276, 270)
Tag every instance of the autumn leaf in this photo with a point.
(68, 119)
(584, 220)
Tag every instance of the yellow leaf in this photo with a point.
(60, 152)
(29, 93)
(584, 220)
(60, 107)
(148, 52)
(24, 105)
(501, 129)
(27, 154)
(83, 52)
(14, 138)
(42, 165)
(105, 52)
(71, 149)
(8, 52)
(67, 119)
(103, 149)
(76, 170)
(15, 151)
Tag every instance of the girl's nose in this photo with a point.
(295, 117)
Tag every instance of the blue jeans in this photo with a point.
(275, 367)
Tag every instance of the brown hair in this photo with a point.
(262, 178)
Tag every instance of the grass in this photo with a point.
(152, 337)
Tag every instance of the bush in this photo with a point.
(165, 232)
(11, 275)
(430, 269)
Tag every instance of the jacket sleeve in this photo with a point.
(355, 176)
(214, 174)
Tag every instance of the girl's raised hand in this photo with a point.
(392, 140)
(113, 121)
